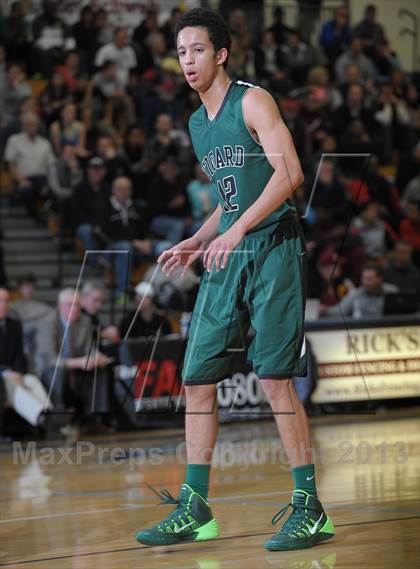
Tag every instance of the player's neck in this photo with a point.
(213, 98)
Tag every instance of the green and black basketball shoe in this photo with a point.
(306, 526)
(192, 520)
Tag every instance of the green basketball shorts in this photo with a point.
(262, 287)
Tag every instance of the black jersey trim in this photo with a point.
(222, 106)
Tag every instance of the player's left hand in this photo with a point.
(217, 253)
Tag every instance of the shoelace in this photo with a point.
(167, 498)
(164, 495)
(298, 515)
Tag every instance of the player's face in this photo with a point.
(199, 61)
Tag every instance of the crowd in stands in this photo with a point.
(105, 149)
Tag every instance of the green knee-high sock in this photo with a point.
(304, 478)
(197, 477)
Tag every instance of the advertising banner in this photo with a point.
(361, 364)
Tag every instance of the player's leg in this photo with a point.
(208, 359)
(192, 519)
(308, 523)
(276, 306)
(291, 421)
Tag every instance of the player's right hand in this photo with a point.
(184, 254)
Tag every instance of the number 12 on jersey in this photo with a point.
(227, 190)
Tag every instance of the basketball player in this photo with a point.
(254, 256)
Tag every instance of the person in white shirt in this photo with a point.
(31, 162)
(120, 52)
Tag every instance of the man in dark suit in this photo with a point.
(12, 360)
(67, 358)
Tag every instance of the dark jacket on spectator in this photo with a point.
(122, 223)
(11, 346)
(87, 203)
(161, 193)
(407, 279)
(344, 115)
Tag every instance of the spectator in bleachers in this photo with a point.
(167, 201)
(120, 52)
(104, 30)
(30, 312)
(13, 368)
(69, 174)
(56, 95)
(12, 358)
(85, 34)
(107, 83)
(69, 131)
(352, 76)
(354, 56)
(279, 28)
(408, 167)
(268, 68)
(76, 81)
(239, 28)
(161, 91)
(92, 297)
(146, 320)
(385, 59)
(2, 61)
(27, 105)
(355, 140)
(410, 228)
(66, 358)
(296, 56)
(155, 50)
(335, 34)
(3, 276)
(168, 28)
(51, 37)
(241, 61)
(31, 162)
(328, 282)
(290, 114)
(383, 192)
(308, 14)
(15, 37)
(411, 191)
(125, 233)
(391, 113)
(377, 236)
(115, 165)
(87, 202)
(149, 25)
(329, 198)
(412, 99)
(167, 140)
(13, 90)
(133, 153)
(202, 197)
(352, 109)
(369, 30)
(367, 301)
(400, 270)
(319, 80)
(110, 101)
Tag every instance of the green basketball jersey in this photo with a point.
(232, 159)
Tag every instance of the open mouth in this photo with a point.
(191, 76)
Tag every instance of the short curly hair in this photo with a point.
(216, 26)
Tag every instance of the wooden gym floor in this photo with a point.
(58, 514)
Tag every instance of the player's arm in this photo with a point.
(267, 127)
(263, 119)
(209, 229)
(187, 251)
